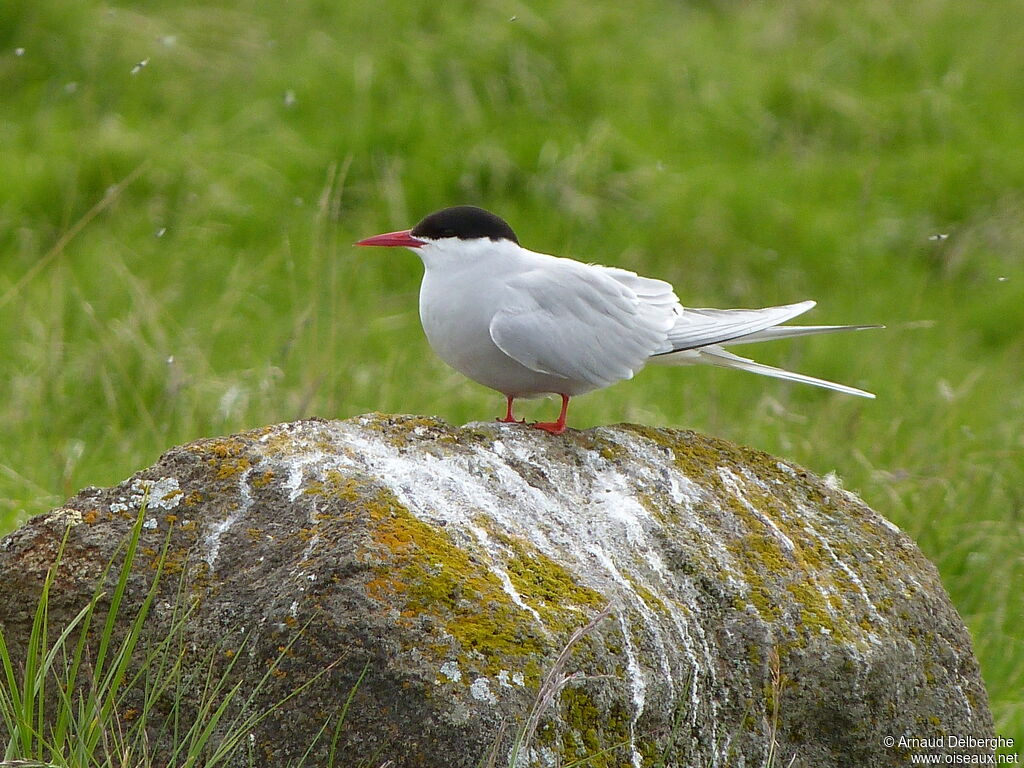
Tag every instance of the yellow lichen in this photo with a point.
(230, 467)
(420, 572)
(543, 584)
(649, 598)
(262, 479)
(336, 485)
(226, 455)
(801, 564)
(425, 573)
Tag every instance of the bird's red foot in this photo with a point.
(509, 418)
(555, 427)
(552, 427)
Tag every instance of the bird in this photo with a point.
(528, 324)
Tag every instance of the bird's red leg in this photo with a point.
(509, 418)
(555, 427)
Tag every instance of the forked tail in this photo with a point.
(701, 335)
(725, 359)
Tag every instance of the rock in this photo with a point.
(753, 605)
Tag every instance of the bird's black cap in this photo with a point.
(464, 222)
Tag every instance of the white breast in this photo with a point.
(456, 309)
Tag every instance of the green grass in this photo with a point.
(751, 153)
(88, 697)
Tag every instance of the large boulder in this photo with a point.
(753, 608)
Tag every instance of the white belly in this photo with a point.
(457, 325)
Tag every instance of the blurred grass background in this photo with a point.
(180, 184)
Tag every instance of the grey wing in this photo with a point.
(584, 322)
(701, 327)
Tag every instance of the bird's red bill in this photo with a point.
(391, 239)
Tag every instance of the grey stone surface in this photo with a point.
(751, 601)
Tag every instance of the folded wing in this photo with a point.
(583, 322)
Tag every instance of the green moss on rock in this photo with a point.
(419, 571)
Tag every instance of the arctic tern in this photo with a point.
(527, 324)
